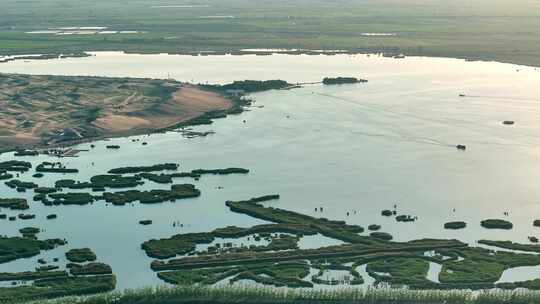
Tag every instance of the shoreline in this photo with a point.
(186, 123)
(390, 53)
(235, 107)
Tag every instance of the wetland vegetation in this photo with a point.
(381, 236)
(342, 80)
(20, 153)
(81, 255)
(68, 199)
(89, 269)
(497, 224)
(31, 275)
(179, 191)
(14, 203)
(24, 216)
(53, 196)
(29, 231)
(334, 229)
(220, 171)
(164, 178)
(394, 263)
(511, 245)
(48, 167)
(274, 258)
(250, 86)
(59, 287)
(455, 225)
(374, 227)
(4, 176)
(15, 166)
(20, 185)
(101, 181)
(14, 248)
(242, 295)
(140, 169)
(50, 282)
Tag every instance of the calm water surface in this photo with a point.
(346, 148)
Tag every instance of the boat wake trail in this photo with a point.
(502, 97)
(406, 138)
(399, 135)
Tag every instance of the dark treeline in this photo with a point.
(251, 86)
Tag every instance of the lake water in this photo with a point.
(362, 147)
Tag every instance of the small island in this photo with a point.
(381, 236)
(455, 225)
(342, 80)
(496, 224)
(81, 255)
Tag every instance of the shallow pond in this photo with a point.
(520, 274)
(433, 272)
(362, 148)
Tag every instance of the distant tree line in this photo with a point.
(252, 86)
(342, 80)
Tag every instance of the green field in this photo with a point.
(500, 29)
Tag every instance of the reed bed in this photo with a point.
(250, 294)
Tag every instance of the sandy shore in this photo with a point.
(127, 119)
(187, 103)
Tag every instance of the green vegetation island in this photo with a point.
(282, 263)
(278, 262)
(342, 80)
(497, 224)
(48, 281)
